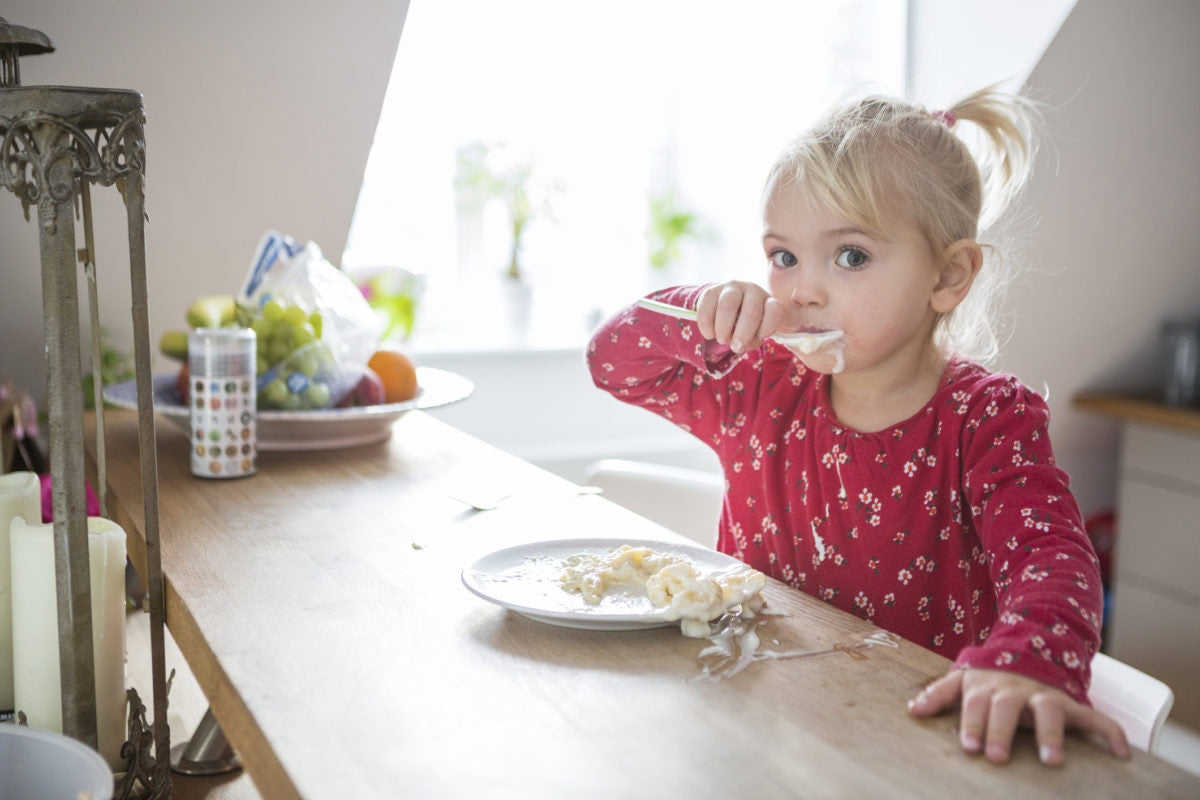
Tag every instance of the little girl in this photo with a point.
(885, 472)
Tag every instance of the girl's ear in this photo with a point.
(960, 264)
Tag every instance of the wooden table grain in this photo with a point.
(320, 606)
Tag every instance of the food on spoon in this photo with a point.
(807, 342)
(671, 581)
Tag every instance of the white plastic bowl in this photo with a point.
(42, 765)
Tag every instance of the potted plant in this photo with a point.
(671, 225)
(484, 173)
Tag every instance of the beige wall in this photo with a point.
(259, 115)
(950, 56)
(1115, 245)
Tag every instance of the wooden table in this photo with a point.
(319, 604)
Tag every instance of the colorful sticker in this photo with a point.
(223, 417)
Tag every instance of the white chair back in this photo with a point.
(1139, 702)
(687, 501)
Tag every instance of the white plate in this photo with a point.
(318, 429)
(525, 579)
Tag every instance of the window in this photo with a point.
(611, 106)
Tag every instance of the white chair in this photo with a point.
(1137, 701)
(687, 501)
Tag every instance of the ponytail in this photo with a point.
(1005, 152)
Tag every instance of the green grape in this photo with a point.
(306, 362)
(277, 351)
(293, 361)
(295, 316)
(276, 392)
(272, 311)
(317, 394)
(284, 334)
(304, 334)
(262, 328)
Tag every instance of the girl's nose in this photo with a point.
(807, 289)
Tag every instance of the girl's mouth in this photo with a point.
(807, 341)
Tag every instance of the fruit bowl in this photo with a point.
(315, 429)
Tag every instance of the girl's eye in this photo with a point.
(783, 259)
(851, 258)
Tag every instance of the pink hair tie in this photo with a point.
(946, 117)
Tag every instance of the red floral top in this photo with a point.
(953, 528)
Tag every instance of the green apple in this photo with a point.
(211, 311)
(174, 344)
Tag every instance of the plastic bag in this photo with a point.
(315, 329)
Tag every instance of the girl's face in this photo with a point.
(829, 274)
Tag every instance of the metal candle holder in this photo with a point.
(55, 141)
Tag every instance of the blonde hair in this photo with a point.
(880, 159)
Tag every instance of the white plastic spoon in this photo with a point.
(804, 342)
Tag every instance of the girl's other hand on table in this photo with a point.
(994, 703)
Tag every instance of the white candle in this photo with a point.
(20, 496)
(36, 673)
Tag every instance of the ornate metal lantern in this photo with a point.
(55, 142)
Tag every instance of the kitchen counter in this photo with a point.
(1140, 408)
(1155, 624)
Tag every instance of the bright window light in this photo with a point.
(614, 108)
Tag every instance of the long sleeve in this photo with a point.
(1042, 564)
(661, 363)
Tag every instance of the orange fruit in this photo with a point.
(397, 373)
